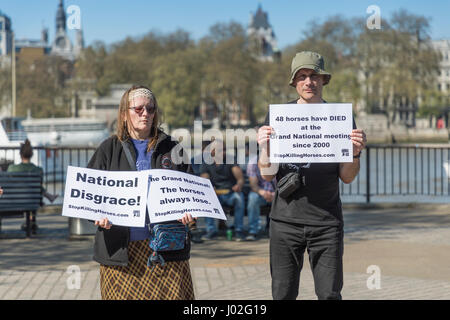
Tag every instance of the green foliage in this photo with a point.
(373, 69)
(40, 87)
(177, 86)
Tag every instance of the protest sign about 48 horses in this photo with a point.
(311, 133)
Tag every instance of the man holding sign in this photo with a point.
(307, 211)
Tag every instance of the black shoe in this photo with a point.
(239, 237)
(251, 237)
(209, 236)
(34, 227)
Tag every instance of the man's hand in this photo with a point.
(264, 134)
(236, 188)
(359, 140)
(268, 170)
(239, 176)
(349, 170)
(267, 195)
(270, 196)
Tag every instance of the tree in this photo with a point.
(272, 87)
(176, 84)
(43, 98)
(376, 70)
(5, 87)
(399, 63)
(231, 73)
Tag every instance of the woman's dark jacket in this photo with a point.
(111, 246)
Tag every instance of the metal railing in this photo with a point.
(389, 173)
(401, 173)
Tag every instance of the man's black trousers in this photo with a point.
(325, 247)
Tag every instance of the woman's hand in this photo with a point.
(104, 223)
(187, 218)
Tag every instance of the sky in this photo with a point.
(113, 20)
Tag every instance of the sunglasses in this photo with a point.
(150, 109)
(313, 77)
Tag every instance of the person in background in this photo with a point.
(228, 181)
(440, 123)
(196, 163)
(26, 153)
(262, 194)
(123, 252)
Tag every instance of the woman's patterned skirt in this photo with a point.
(138, 282)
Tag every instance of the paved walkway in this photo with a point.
(407, 247)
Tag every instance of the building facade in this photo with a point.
(5, 35)
(62, 45)
(443, 46)
(262, 36)
(31, 49)
(87, 104)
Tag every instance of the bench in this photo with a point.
(22, 194)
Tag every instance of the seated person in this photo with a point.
(196, 163)
(227, 180)
(262, 193)
(26, 153)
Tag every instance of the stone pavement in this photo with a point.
(408, 247)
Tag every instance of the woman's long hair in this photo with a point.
(123, 123)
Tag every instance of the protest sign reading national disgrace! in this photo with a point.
(311, 133)
(123, 196)
(120, 196)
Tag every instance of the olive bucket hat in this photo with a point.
(309, 60)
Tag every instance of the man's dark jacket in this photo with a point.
(111, 246)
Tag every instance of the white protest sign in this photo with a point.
(120, 196)
(174, 193)
(311, 133)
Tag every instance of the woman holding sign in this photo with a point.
(124, 252)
